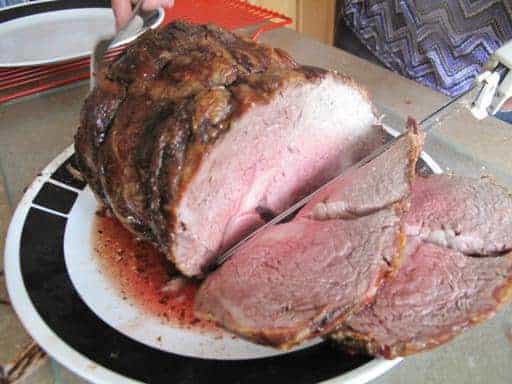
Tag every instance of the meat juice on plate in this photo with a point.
(145, 277)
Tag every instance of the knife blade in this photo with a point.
(427, 124)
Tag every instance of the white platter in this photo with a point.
(47, 32)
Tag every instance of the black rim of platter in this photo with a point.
(55, 315)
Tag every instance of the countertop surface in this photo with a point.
(34, 130)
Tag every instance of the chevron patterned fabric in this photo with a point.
(7, 3)
(439, 43)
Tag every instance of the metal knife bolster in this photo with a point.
(427, 124)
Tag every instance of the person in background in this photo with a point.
(442, 44)
(122, 8)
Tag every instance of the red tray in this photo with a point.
(230, 14)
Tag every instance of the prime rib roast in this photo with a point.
(196, 136)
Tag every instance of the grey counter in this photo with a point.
(34, 130)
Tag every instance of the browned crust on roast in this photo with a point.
(100, 107)
(142, 60)
(416, 139)
(95, 118)
(165, 175)
(503, 294)
(118, 172)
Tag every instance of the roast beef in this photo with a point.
(457, 269)
(300, 279)
(473, 216)
(196, 136)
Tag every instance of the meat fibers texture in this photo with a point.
(457, 269)
(300, 279)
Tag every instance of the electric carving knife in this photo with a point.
(496, 80)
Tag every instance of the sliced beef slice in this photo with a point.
(300, 279)
(440, 290)
(384, 183)
(437, 293)
(473, 216)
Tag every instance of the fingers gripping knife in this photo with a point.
(496, 87)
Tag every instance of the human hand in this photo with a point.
(123, 9)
